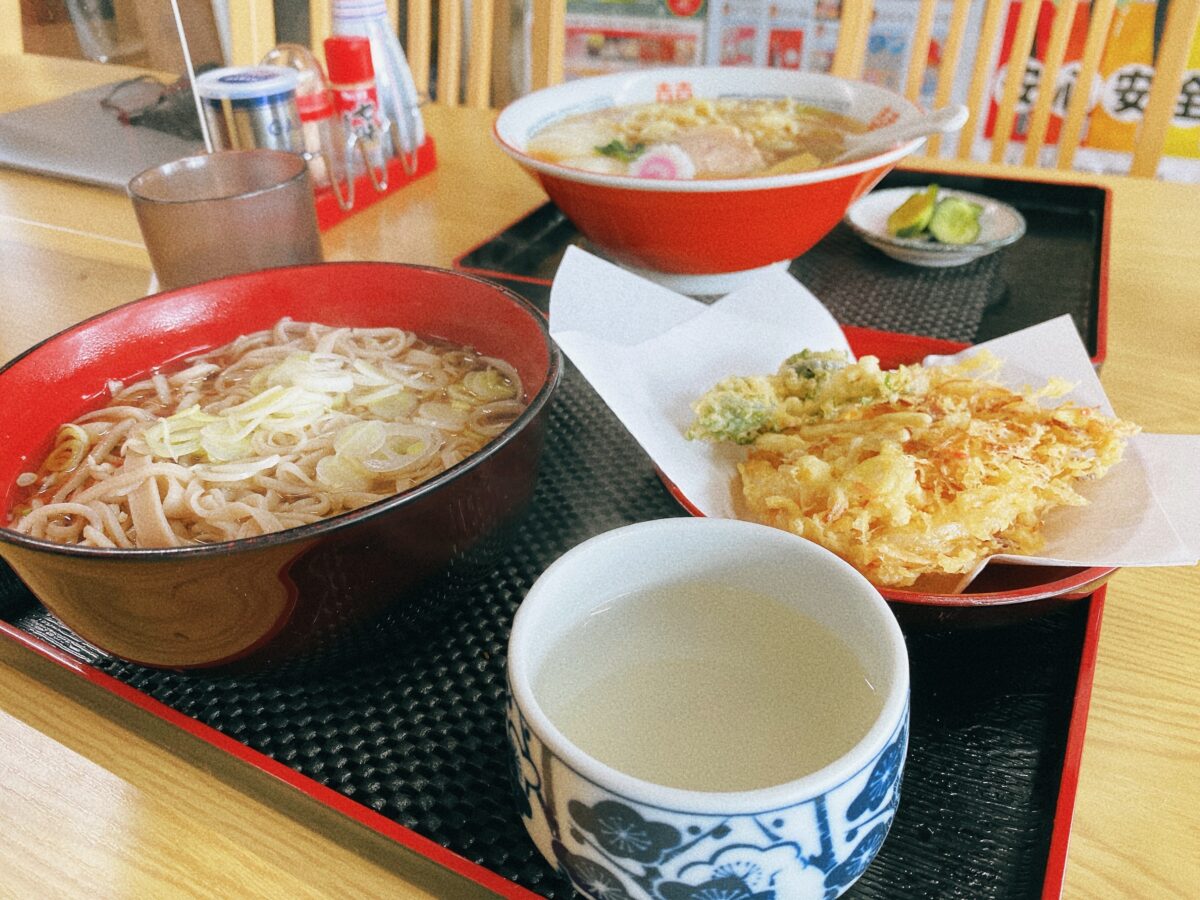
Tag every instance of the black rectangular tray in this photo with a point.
(1059, 267)
(405, 733)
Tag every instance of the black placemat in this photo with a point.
(413, 726)
(1055, 269)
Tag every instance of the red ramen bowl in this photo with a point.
(704, 227)
(257, 601)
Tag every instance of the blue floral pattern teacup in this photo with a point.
(618, 837)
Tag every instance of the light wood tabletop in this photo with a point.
(100, 799)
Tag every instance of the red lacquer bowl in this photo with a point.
(259, 601)
(704, 227)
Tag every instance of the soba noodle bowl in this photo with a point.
(277, 429)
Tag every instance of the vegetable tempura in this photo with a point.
(908, 472)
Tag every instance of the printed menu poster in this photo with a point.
(889, 46)
(823, 36)
(803, 34)
(604, 36)
(759, 33)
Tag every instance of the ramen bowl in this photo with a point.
(686, 232)
(613, 833)
(292, 594)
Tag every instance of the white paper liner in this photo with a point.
(650, 353)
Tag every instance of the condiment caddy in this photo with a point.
(375, 160)
(356, 153)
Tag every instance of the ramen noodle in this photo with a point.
(697, 138)
(909, 472)
(280, 428)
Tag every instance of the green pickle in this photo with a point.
(955, 221)
(913, 216)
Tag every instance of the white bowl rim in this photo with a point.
(891, 719)
(501, 133)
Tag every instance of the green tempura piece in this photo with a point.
(738, 409)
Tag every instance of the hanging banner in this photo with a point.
(1031, 80)
(1126, 76)
(1116, 98)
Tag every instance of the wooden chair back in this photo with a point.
(252, 28)
(251, 31)
(1170, 66)
(252, 34)
(11, 38)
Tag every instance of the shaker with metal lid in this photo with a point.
(248, 107)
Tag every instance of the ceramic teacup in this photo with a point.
(616, 835)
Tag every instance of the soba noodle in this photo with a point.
(279, 428)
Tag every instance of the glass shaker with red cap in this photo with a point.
(393, 77)
(356, 100)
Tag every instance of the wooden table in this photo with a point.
(99, 799)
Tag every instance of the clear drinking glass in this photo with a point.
(203, 217)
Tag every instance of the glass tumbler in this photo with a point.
(217, 214)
